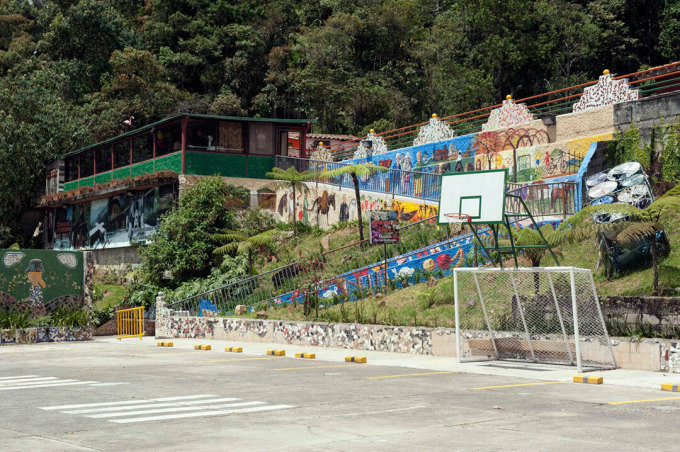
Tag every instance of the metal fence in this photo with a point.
(348, 258)
(393, 182)
(551, 199)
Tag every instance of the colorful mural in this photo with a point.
(324, 207)
(117, 221)
(40, 280)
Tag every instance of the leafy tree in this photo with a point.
(291, 178)
(242, 244)
(182, 247)
(356, 171)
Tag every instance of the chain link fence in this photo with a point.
(546, 315)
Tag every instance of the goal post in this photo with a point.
(533, 314)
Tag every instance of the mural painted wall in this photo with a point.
(40, 280)
(325, 206)
(117, 221)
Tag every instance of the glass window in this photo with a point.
(230, 137)
(261, 138)
(202, 135)
(142, 148)
(71, 169)
(121, 154)
(86, 164)
(168, 139)
(103, 156)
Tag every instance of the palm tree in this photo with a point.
(645, 227)
(356, 171)
(291, 178)
(241, 243)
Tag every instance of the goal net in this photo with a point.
(544, 315)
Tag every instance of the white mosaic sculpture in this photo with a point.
(507, 115)
(435, 130)
(378, 146)
(606, 92)
(321, 154)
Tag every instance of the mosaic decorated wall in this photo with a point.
(117, 221)
(40, 280)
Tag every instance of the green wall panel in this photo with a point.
(101, 178)
(172, 162)
(259, 166)
(142, 168)
(121, 173)
(71, 185)
(205, 164)
(87, 182)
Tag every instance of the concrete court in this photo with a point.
(103, 395)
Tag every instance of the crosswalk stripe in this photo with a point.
(174, 409)
(5, 384)
(147, 405)
(17, 376)
(126, 402)
(23, 380)
(48, 385)
(203, 414)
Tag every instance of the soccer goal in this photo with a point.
(544, 315)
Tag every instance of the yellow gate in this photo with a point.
(130, 322)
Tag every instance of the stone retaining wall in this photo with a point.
(645, 354)
(44, 334)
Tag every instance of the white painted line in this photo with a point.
(109, 384)
(18, 376)
(207, 413)
(20, 380)
(174, 409)
(147, 405)
(4, 384)
(126, 402)
(49, 385)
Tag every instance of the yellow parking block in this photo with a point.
(305, 355)
(165, 344)
(355, 359)
(592, 380)
(670, 387)
(202, 347)
(276, 352)
(233, 349)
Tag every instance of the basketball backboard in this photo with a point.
(479, 194)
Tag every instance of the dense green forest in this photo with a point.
(71, 72)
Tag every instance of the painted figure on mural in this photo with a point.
(396, 177)
(305, 209)
(34, 273)
(478, 165)
(406, 167)
(291, 204)
(418, 178)
(344, 209)
(547, 158)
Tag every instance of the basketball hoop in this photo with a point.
(458, 217)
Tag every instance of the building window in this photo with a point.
(142, 148)
(103, 156)
(168, 139)
(230, 137)
(261, 138)
(71, 169)
(202, 135)
(86, 164)
(121, 154)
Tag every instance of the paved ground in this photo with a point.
(108, 395)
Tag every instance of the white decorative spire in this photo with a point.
(606, 92)
(321, 153)
(435, 130)
(377, 147)
(507, 115)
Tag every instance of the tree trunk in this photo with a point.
(654, 251)
(355, 180)
(250, 261)
(294, 213)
